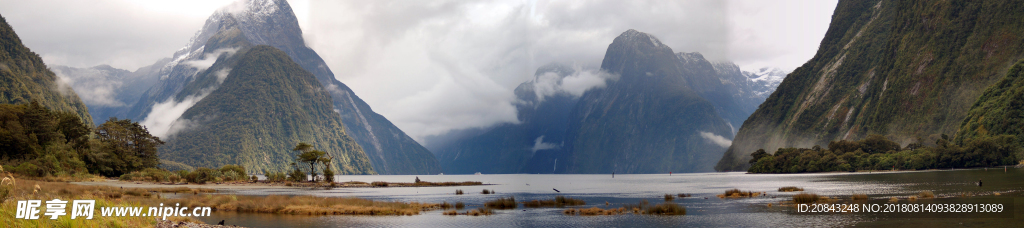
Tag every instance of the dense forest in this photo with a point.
(876, 152)
(38, 142)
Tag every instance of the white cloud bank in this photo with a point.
(716, 139)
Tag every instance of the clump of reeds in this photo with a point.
(379, 184)
(736, 193)
(669, 197)
(559, 201)
(808, 198)
(594, 211)
(460, 205)
(790, 189)
(458, 191)
(859, 197)
(451, 212)
(683, 195)
(926, 194)
(445, 205)
(502, 203)
(485, 192)
(666, 209)
(479, 212)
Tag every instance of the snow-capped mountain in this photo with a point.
(765, 80)
(246, 23)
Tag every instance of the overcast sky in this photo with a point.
(434, 66)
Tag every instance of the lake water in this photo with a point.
(596, 190)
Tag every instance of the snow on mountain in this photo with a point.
(765, 80)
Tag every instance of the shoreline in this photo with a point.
(257, 185)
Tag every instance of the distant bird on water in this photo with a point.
(221, 223)
(556, 190)
(979, 182)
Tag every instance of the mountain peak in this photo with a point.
(637, 37)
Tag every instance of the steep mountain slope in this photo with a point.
(272, 22)
(649, 120)
(25, 78)
(511, 148)
(108, 91)
(906, 69)
(999, 111)
(266, 105)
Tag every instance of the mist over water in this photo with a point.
(631, 189)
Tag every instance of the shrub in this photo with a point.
(329, 175)
(297, 175)
(202, 175)
(666, 209)
(502, 203)
(275, 176)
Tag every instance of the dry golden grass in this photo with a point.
(790, 189)
(23, 189)
(859, 197)
(807, 198)
(502, 203)
(666, 209)
(736, 193)
(451, 212)
(559, 201)
(926, 194)
(479, 212)
(669, 197)
(594, 211)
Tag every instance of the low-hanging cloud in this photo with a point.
(164, 119)
(210, 58)
(716, 139)
(575, 84)
(91, 85)
(539, 144)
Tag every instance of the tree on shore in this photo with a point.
(314, 158)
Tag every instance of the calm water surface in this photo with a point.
(703, 208)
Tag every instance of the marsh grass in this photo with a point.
(666, 209)
(859, 197)
(559, 201)
(502, 203)
(790, 189)
(460, 205)
(683, 195)
(485, 192)
(669, 197)
(736, 193)
(810, 198)
(926, 194)
(594, 211)
(458, 191)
